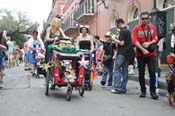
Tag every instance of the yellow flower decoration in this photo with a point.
(46, 66)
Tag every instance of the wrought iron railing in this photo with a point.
(71, 21)
(86, 7)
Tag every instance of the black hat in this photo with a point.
(173, 30)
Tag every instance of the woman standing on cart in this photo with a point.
(53, 32)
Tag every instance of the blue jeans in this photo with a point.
(108, 68)
(120, 73)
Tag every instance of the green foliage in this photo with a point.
(16, 24)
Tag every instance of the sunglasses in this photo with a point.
(144, 18)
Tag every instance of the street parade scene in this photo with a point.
(87, 57)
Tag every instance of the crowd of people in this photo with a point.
(10, 54)
(113, 54)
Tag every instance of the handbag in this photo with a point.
(152, 47)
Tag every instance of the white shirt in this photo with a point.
(10, 47)
(31, 41)
(172, 41)
(160, 44)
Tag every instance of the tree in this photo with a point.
(17, 25)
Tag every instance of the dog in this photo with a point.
(171, 91)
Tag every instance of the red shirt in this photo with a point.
(139, 36)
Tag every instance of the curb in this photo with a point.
(162, 90)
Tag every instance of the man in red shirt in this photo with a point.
(145, 39)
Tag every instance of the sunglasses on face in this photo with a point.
(144, 18)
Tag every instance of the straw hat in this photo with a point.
(108, 34)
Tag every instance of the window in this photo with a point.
(87, 6)
(113, 19)
(133, 13)
(167, 3)
(162, 4)
(136, 13)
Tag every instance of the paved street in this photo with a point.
(24, 95)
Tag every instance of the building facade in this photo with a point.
(57, 8)
(100, 15)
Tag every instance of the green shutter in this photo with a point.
(132, 25)
(169, 19)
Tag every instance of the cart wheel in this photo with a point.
(69, 92)
(47, 82)
(36, 73)
(81, 89)
(90, 85)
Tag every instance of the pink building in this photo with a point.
(100, 15)
(57, 8)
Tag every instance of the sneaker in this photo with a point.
(109, 84)
(103, 83)
(131, 72)
(154, 96)
(114, 91)
(117, 92)
(142, 95)
(26, 69)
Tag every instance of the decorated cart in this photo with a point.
(66, 67)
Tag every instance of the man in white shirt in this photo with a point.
(10, 52)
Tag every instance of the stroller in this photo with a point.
(39, 57)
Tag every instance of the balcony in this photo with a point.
(86, 10)
(69, 25)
